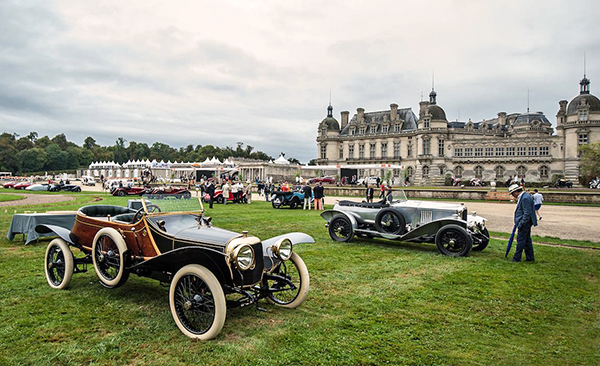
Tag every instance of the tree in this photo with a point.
(590, 160)
(89, 143)
(23, 144)
(61, 141)
(120, 151)
(32, 136)
(31, 160)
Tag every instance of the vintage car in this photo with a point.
(56, 187)
(87, 180)
(218, 197)
(367, 180)
(22, 185)
(294, 198)
(448, 225)
(171, 240)
(10, 184)
(39, 187)
(139, 191)
(324, 180)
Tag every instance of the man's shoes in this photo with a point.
(514, 260)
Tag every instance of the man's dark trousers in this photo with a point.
(524, 243)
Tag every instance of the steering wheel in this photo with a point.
(140, 213)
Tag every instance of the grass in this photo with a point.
(9, 197)
(371, 302)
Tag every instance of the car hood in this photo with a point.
(185, 227)
(429, 205)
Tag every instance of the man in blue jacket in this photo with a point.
(525, 217)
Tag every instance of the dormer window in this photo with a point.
(583, 115)
(397, 127)
(323, 132)
(373, 129)
(352, 131)
(426, 123)
(385, 128)
(363, 130)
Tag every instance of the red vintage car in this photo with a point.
(327, 180)
(9, 184)
(22, 185)
(128, 191)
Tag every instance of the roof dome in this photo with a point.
(330, 123)
(436, 112)
(585, 97)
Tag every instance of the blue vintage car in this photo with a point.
(293, 198)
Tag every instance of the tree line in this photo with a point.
(31, 153)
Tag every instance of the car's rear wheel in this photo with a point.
(292, 289)
(109, 256)
(121, 193)
(454, 241)
(340, 229)
(77, 189)
(295, 203)
(220, 199)
(483, 243)
(197, 302)
(58, 264)
(390, 221)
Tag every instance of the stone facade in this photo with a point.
(431, 148)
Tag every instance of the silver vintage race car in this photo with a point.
(448, 225)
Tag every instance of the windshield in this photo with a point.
(399, 195)
(172, 203)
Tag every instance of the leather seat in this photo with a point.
(104, 210)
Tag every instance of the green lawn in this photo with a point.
(9, 197)
(371, 302)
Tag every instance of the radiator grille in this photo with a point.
(426, 216)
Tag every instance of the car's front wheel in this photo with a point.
(340, 229)
(197, 302)
(121, 193)
(454, 241)
(220, 199)
(109, 255)
(276, 202)
(291, 289)
(58, 264)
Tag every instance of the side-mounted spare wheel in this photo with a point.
(454, 241)
(197, 302)
(58, 264)
(390, 221)
(292, 289)
(109, 255)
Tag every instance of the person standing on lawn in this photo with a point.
(538, 198)
(318, 193)
(307, 196)
(370, 192)
(524, 219)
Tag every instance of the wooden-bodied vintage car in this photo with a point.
(179, 245)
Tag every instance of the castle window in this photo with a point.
(458, 152)
(324, 132)
(468, 151)
(426, 146)
(425, 171)
(361, 151)
(510, 151)
(373, 129)
(489, 151)
(442, 169)
(532, 150)
(479, 151)
(426, 123)
(499, 151)
(458, 171)
(372, 151)
(351, 151)
(409, 149)
(582, 138)
(385, 128)
(397, 127)
(478, 171)
(544, 172)
(396, 149)
(440, 147)
(363, 130)
(323, 151)
(499, 172)
(583, 115)
(341, 154)
(521, 171)
(544, 150)
(384, 149)
(409, 171)
(521, 150)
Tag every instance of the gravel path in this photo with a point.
(34, 199)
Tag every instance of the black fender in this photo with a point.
(355, 220)
(61, 232)
(173, 260)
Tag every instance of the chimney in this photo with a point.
(393, 111)
(563, 106)
(344, 118)
(422, 106)
(360, 115)
(502, 118)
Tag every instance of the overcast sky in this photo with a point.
(261, 72)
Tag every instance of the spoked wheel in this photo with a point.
(390, 222)
(485, 240)
(340, 229)
(121, 193)
(276, 202)
(109, 255)
(290, 291)
(454, 241)
(58, 264)
(197, 302)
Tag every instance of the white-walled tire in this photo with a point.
(197, 302)
(109, 257)
(295, 271)
(58, 264)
